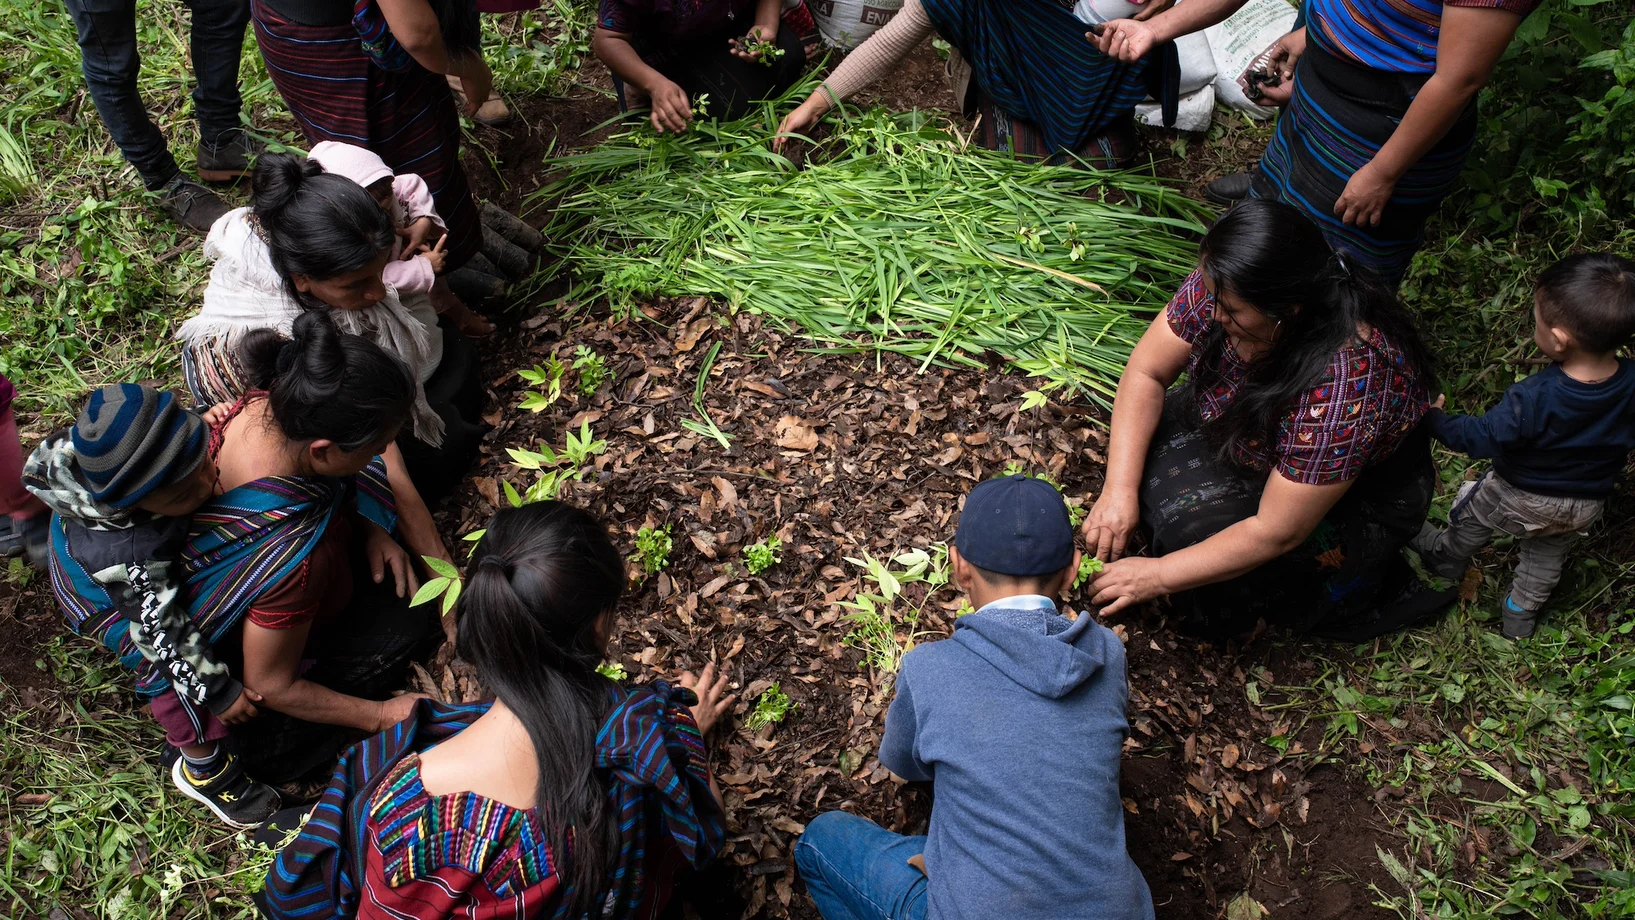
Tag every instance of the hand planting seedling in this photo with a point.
(772, 707)
(592, 370)
(1089, 567)
(758, 557)
(653, 547)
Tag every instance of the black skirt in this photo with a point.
(455, 393)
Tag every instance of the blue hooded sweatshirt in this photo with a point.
(1018, 721)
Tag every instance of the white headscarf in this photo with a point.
(246, 293)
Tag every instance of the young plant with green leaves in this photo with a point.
(446, 584)
(880, 626)
(771, 707)
(763, 555)
(548, 378)
(612, 670)
(1089, 567)
(555, 468)
(591, 368)
(653, 546)
(707, 427)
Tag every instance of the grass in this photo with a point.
(111, 838)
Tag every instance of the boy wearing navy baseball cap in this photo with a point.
(1018, 722)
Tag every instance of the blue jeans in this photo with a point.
(857, 870)
(110, 60)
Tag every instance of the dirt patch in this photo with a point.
(28, 620)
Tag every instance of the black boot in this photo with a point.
(229, 158)
(191, 205)
(1229, 190)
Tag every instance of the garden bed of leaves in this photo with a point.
(849, 470)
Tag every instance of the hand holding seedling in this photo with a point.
(758, 45)
(1126, 582)
(672, 110)
(436, 254)
(713, 698)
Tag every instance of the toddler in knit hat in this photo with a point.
(122, 485)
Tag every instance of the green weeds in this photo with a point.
(548, 378)
(882, 623)
(771, 707)
(653, 546)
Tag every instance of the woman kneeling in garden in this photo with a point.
(568, 795)
(1283, 479)
(292, 571)
(1039, 87)
(672, 55)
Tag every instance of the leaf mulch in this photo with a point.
(841, 455)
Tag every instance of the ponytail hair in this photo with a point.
(1274, 259)
(315, 224)
(541, 582)
(326, 384)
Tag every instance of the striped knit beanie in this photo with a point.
(131, 440)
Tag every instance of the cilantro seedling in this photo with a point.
(758, 557)
(772, 707)
(653, 547)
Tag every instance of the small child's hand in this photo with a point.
(1441, 400)
(216, 414)
(243, 708)
(416, 236)
(436, 254)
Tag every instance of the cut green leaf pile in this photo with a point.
(899, 236)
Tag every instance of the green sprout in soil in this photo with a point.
(592, 370)
(653, 547)
(772, 707)
(1089, 567)
(612, 670)
(548, 377)
(758, 557)
(1076, 513)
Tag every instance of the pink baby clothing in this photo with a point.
(411, 200)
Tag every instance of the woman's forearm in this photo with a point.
(1192, 16)
(1240, 548)
(767, 15)
(414, 521)
(1137, 408)
(876, 56)
(416, 28)
(313, 702)
(620, 56)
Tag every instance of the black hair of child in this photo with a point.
(1591, 295)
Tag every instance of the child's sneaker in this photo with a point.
(1518, 623)
(228, 791)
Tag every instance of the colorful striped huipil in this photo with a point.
(407, 117)
(1364, 63)
(379, 846)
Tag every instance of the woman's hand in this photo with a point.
(243, 708)
(1126, 40)
(1285, 55)
(1128, 581)
(1441, 400)
(1112, 519)
(672, 110)
(801, 121)
(397, 709)
(760, 33)
(1365, 196)
(416, 234)
(385, 555)
(713, 699)
(1151, 8)
(436, 255)
(476, 81)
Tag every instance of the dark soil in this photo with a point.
(840, 456)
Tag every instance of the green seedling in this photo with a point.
(772, 707)
(473, 538)
(612, 670)
(753, 44)
(581, 448)
(1076, 513)
(555, 468)
(701, 105)
(706, 428)
(758, 557)
(653, 547)
(592, 370)
(1089, 567)
(446, 585)
(548, 377)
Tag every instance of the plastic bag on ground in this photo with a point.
(844, 24)
(1242, 44)
(1192, 114)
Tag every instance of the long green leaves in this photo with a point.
(905, 239)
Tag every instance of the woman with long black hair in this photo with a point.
(568, 795)
(1282, 479)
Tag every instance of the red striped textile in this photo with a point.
(407, 118)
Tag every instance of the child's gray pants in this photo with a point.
(1546, 526)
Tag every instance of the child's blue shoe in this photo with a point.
(1518, 623)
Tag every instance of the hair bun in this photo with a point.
(277, 180)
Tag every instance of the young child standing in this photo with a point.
(122, 485)
(1558, 439)
(416, 265)
(1018, 722)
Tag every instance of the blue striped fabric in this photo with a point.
(1399, 36)
(1032, 59)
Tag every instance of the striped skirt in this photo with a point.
(1057, 93)
(1339, 117)
(407, 118)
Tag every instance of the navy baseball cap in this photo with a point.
(1015, 525)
